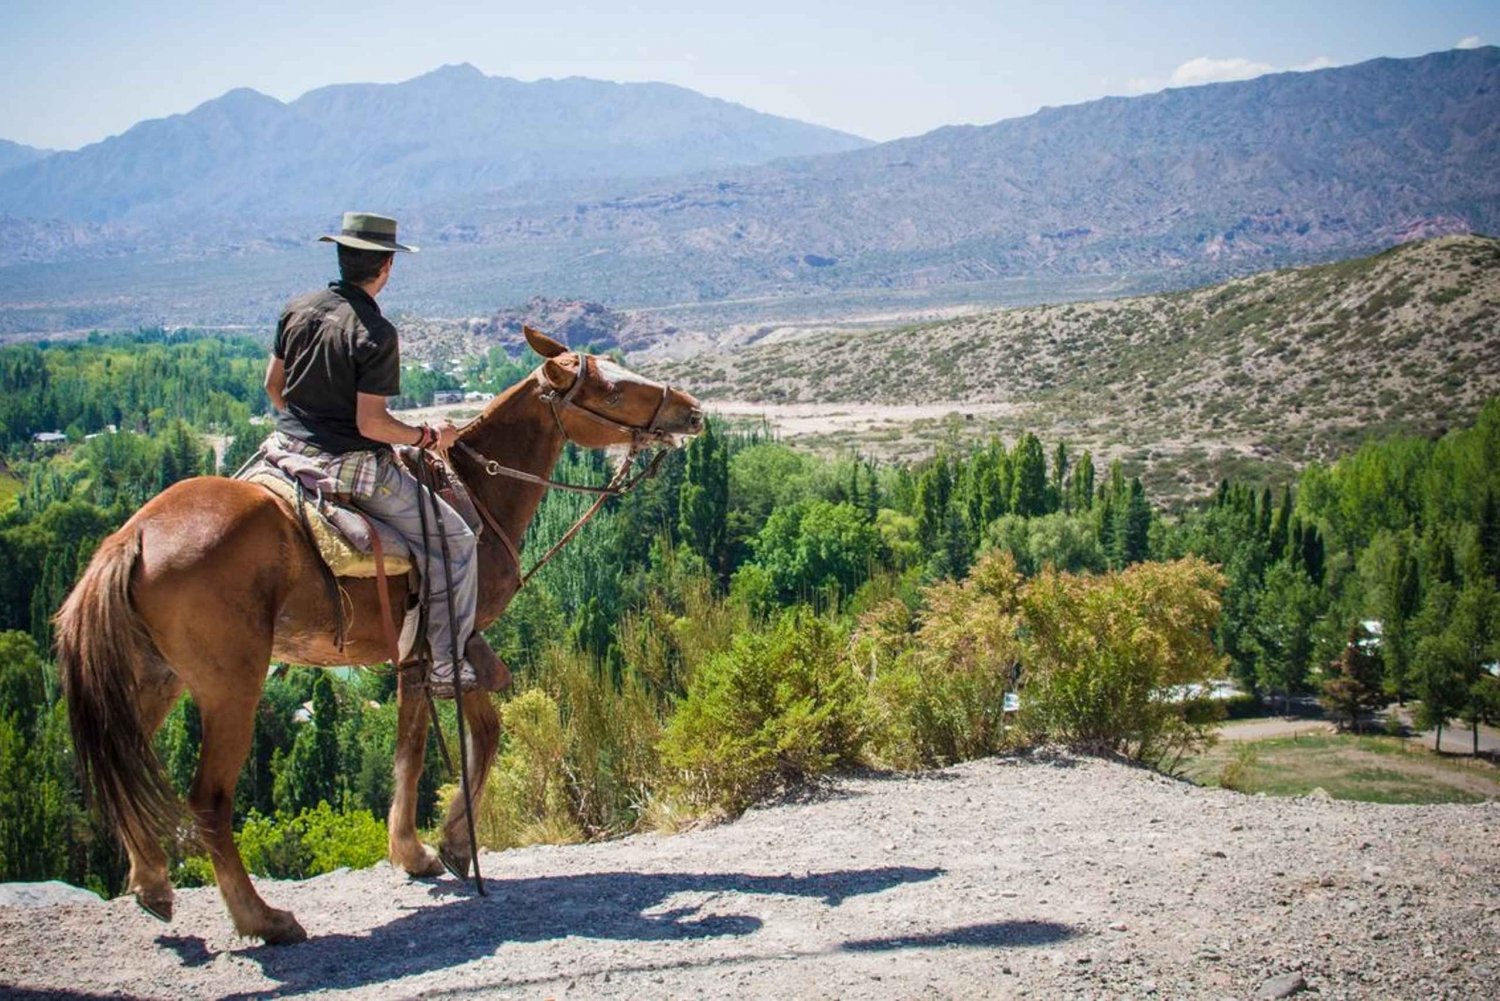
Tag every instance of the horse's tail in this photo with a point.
(102, 650)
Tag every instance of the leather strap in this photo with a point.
(387, 622)
(330, 583)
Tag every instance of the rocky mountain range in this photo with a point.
(1224, 177)
(14, 154)
(574, 322)
(449, 133)
(208, 217)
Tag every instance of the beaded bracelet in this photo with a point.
(427, 436)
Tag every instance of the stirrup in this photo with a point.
(463, 678)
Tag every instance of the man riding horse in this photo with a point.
(335, 361)
(214, 578)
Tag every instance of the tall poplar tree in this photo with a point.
(1028, 494)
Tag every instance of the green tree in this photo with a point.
(309, 774)
(1130, 540)
(1283, 630)
(1081, 486)
(1352, 684)
(811, 547)
(1057, 483)
(703, 504)
(1397, 601)
(1028, 494)
(1439, 662)
(1475, 631)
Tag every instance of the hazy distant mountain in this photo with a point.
(14, 154)
(1228, 176)
(452, 132)
(516, 190)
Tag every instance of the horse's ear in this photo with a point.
(542, 344)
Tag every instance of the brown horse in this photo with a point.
(213, 578)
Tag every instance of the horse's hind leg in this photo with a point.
(148, 879)
(228, 723)
(405, 848)
(483, 725)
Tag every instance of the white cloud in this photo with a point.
(1206, 70)
(1469, 42)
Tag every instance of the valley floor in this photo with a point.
(1046, 877)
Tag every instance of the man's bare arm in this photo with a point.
(377, 423)
(276, 382)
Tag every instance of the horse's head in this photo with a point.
(599, 403)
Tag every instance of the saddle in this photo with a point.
(354, 544)
(350, 541)
(344, 537)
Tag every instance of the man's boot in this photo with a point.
(490, 670)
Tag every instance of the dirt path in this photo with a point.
(1046, 878)
(1276, 726)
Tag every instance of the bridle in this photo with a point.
(560, 400)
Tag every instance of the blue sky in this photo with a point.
(79, 70)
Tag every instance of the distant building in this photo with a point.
(445, 396)
(475, 396)
(49, 437)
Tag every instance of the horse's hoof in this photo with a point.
(426, 864)
(283, 929)
(159, 908)
(456, 864)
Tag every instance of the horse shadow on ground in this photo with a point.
(601, 905)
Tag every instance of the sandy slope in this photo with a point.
(1050, 877)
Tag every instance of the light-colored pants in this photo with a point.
(395, 501)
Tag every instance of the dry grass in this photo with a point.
(1371, 769)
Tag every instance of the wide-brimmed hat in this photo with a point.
(367, 231)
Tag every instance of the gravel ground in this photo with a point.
(1047, 877)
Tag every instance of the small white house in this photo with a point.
(49, 437)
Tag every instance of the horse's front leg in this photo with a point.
(483, 739)
(405, 848)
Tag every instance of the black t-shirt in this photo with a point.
(334, 344)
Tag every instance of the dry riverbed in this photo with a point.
(1045, 877)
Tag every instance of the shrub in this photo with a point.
(1235, 773)
(1109, 659)
(311, 843)
(780, 705)
(526, 796)
(610, 735)
(937, 693)
(1242, 706)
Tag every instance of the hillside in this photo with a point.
(452, 132)
(1285, 366)
(1050, 876)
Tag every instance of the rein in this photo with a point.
(558, 400)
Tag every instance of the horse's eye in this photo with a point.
(613, 399)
